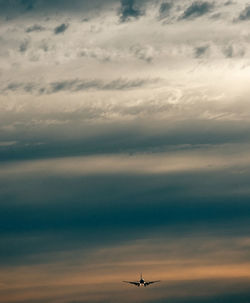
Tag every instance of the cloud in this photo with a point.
(145, 53)
(235, 295)
(24, 46)
(157, 163)
(128, 10)
(72, 211)
(28, 4)
(229, 2)
(97, 53)
(26, 87)
(47, 196)
(13, 8)
(141, 138)
(77, 85)
(228, 51)
(245, 14)
(7, 143)
(201, 51)
(61, 28)
(35, 28)
(197, 9)
(164, 9)
(231, 51)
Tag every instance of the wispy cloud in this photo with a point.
(129, 10)
(35, 28)
(7, 143)
(156, 163)
(61, 28)
(212, 263)
(201, 51)
(24, 46)
(245, 14)
(145, 53)
(165, 9)
(77, 85)
(28, 4)
(197, 9)
(124, 147)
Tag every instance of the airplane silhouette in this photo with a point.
(141, 282)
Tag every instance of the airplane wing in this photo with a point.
(134, 283)
(151, 282)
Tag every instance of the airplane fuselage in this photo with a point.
(142, 283)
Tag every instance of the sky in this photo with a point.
(124, 148)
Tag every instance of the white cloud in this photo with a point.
(203, 65)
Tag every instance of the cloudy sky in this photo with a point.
(124, 148)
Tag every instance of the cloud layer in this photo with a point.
(124, 148)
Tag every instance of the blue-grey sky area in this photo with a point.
(124, 148)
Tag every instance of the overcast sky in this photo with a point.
(124, 148)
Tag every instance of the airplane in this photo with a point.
(141, 282)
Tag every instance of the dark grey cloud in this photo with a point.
(85, 19)
(38, 6)
(211, 293)
(231, 51)
(101, 55)
(229, 2)
(97, 210)
(43, 216)
(215, 16)
(245, 14)
(129, 10)
(145, 53)
(28, 4)
(164, 9)
(197, 9)
(24, 46)
(61, 28)
(228, 51)
(44, 46)
(201, 51)
(69, 140)
(79, 85)
(14, 87)
(20, 6)
(35, 28)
